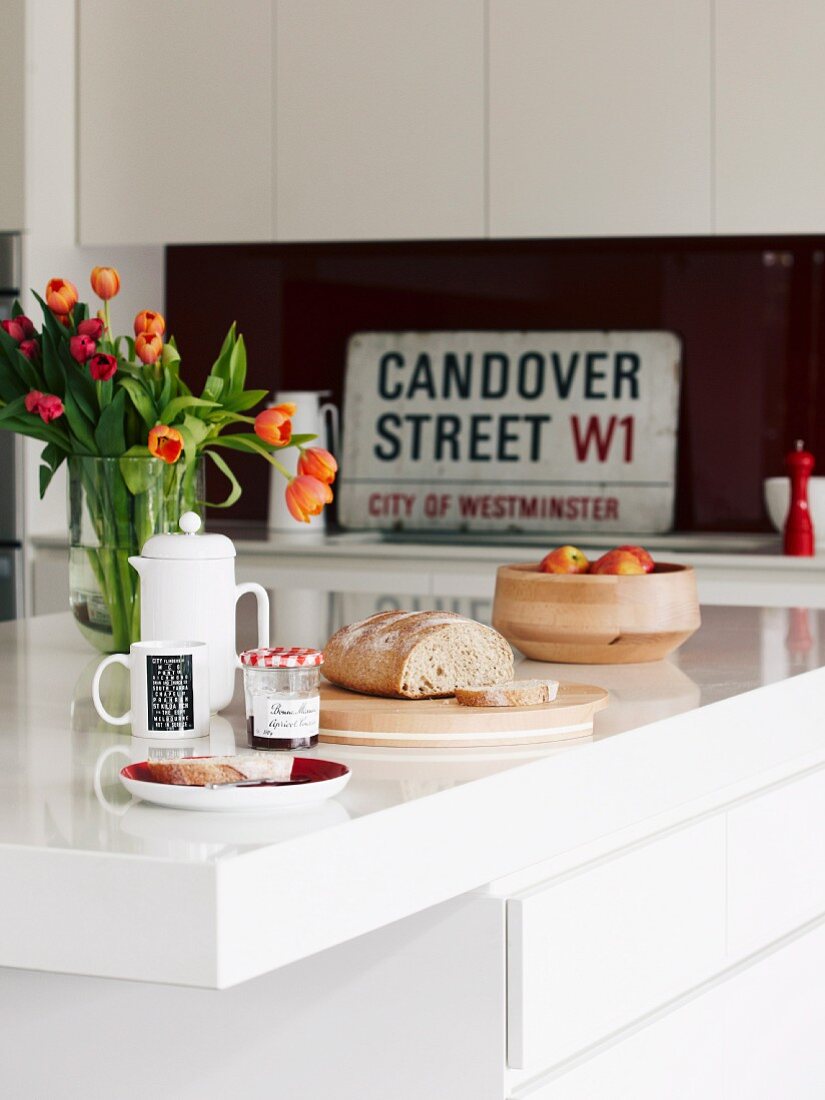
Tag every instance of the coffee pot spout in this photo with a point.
(138, 564)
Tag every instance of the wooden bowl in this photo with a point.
(598, 620)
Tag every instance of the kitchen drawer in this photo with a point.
(754, 1036)
(776, 867)
(590, 953)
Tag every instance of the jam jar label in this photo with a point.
(285, 718)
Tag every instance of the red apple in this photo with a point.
(642, 554)
(618, 561)
(564, 559)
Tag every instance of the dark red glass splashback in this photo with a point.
(749, 312)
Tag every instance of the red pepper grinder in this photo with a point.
(799, 529)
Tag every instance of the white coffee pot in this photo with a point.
(188, 590)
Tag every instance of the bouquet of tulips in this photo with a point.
(87, 393)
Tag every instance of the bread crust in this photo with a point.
(198, 771)
(372, 656)
(518, 693)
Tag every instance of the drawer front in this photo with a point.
(757, 1036)
(776, 865)
(592, 952)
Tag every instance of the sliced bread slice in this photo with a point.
(516, 693)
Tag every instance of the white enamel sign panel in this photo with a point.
(510, 431)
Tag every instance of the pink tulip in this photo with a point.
(81, 348)
(92, 328)
(50, 407)
(14, 330)
(46, 405)
(29, 348)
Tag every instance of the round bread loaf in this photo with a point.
(416, 655)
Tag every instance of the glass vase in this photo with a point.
(115, 505)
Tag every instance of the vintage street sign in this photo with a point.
(510, 431)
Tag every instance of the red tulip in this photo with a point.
(318, 463)
(105, 282)
(93, 328)
(81, 348)
(274, 425)
(61, 296)
(46, 405)
(148, 347)
(102, 367)
(149, 321)
(165, 443)
(29, 348)
(306, 496)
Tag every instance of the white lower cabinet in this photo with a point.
(776, 869)
(593, 951)
(757, 1036)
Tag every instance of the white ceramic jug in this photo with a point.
(315, 416)
(188, 590)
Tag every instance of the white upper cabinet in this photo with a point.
(379, 119)
(600, 117)
(175, 121)
(770, 132)
(12, 79)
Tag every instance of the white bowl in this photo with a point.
(777, 498)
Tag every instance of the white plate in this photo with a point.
(326, 779)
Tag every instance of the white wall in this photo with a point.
(49, 247)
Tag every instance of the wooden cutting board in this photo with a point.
(349, 718)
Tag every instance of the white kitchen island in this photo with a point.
(639, 915)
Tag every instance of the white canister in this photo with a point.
(315, 415)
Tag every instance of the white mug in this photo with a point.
(169, 689)
(314, 416)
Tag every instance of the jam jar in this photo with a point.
(281, 688)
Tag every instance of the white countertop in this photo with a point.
(214, 899)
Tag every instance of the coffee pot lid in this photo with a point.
(189, 546)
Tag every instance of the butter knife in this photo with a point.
(257, 783)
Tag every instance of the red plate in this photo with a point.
(326, 779)
(317, 771)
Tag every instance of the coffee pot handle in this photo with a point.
(329, 412)
(263, 610)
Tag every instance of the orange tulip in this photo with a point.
(149, 321)
(148, 347)
(165, 443)
(274, 425)
(61, 296)
(318, 463)
(105, 282)
(306, 496)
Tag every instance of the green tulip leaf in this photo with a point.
(141, 400)
(178, 404)
(235, 487)
(245, 400)
(213, 388)
(109, 434)
(138, 475)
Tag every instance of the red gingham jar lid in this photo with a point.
(282, 657)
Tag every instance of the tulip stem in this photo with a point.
(280, 468)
